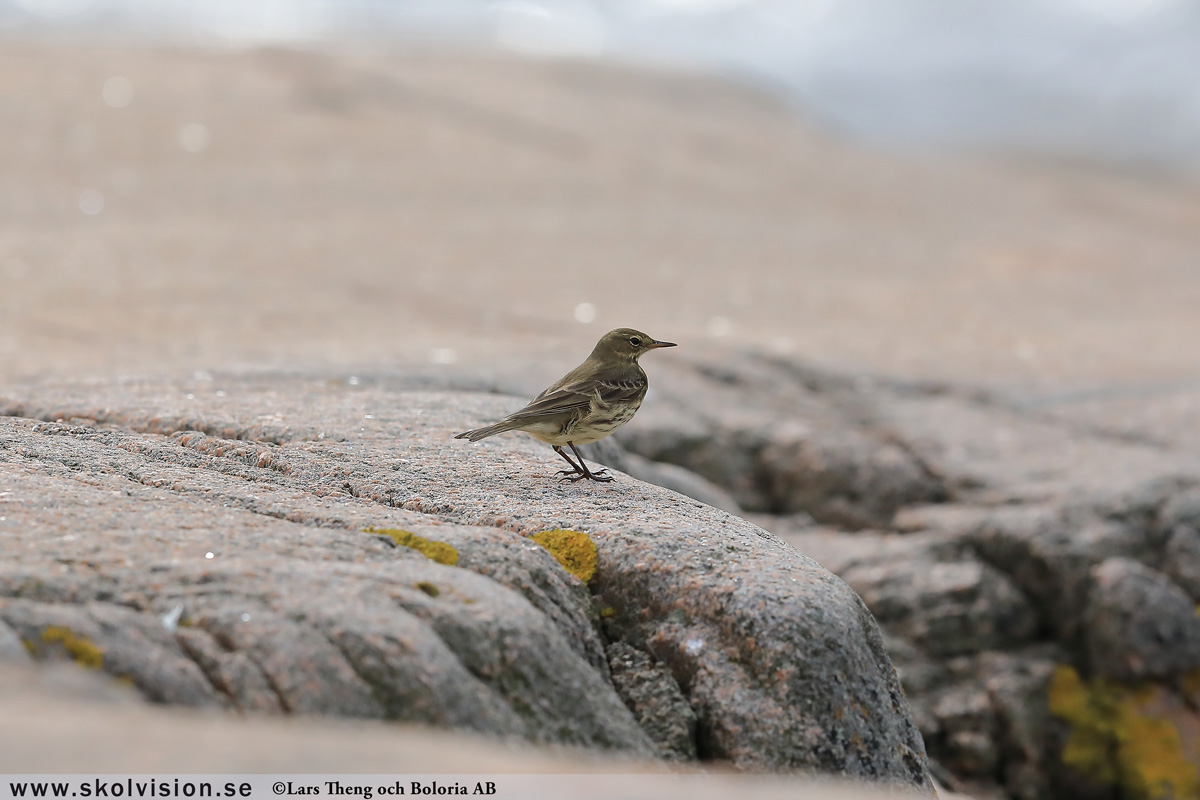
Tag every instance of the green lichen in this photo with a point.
(436, 551)
(608, 611)
(80, 648)
(573, 549)
(1115, 741)
(428, 588)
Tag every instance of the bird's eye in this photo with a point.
(635, 341)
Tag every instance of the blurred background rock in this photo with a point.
(374, 198)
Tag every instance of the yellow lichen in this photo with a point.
(80, 648)
(436, 551)
(573, 549)
(428, 588)
(608, 611)
(1115, 740)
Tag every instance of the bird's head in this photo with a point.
(626, 344)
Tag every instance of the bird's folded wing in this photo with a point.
(578, 398)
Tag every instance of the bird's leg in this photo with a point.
(584, 472)
(575, 470)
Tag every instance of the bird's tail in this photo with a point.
(490, 430)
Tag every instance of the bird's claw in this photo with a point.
(599, 477)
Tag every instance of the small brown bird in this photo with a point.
(588, 403)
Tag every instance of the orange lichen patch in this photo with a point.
(574, 550)
(80, 648)
(1131, 736)
(435, 551)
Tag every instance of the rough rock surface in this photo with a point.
(774, 439)
(1041, 614)
(654, 696)
(1036, 580)
(1138, 624)
(250, 544)
(58, 718)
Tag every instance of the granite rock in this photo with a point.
(651, 692)
(335, 551)
(1138, 624)
(948, 608)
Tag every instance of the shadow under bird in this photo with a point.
(587, 404)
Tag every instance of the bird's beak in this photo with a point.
(655, 345)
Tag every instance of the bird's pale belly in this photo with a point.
(593, 427)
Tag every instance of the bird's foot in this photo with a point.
(600, 476)
(570, 472)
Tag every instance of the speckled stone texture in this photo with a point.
(999, 548)
(58, 717)
(240, 506)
